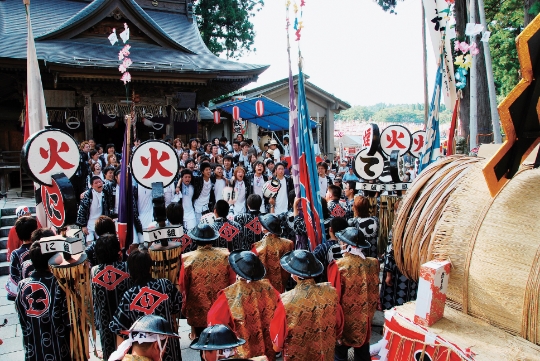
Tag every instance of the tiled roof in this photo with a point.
(284, 83)
(51, 16)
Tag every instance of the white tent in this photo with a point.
(349, 141)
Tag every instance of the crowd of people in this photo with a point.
(247, 275)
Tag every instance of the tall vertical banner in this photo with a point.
(437, 16)
(125, 206)
(302, 148)
(36, 113)
(309, 184)
(432, 145)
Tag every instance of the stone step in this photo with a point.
(3, 243)
(11, 211)
(8, 220)
(4, 231)
(4, 268)
(3, 255)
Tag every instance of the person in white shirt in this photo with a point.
(146, 207)
(409, 171)
(236, 149)
(186, 190)
(280, 204)
(277, 153)
(220, 182)
(224, 142)
(324, 181)
(244, 155)
(286, 147)
(203, 191)
(228, 169)
(93, 205)
(238, 206)
(269, 167)
(257, 181)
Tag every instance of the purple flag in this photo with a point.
(125, 206)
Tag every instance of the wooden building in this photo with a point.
(173, 72)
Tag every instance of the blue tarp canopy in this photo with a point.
(275, 117)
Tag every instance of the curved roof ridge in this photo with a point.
(155, 25)
(95, 7)
(80, 15)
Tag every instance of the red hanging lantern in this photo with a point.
(236, 113)
(217, 117)
(259, 108)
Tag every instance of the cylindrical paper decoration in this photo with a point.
(259, 108)
(217, 117)
(236, 113)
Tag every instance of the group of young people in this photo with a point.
(249, 271)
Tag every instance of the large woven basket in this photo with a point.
(421, 209)
(494, 246)
(493, 243)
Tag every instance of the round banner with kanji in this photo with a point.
(395, 137)
(154, 161)
(418, 140)
(366, 166)
(371, 138)
(59, 201)
(48, 152)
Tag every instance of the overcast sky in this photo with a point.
(351, 48)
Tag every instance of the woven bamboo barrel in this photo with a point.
(493, 243)
(421, 209)
(494, 246)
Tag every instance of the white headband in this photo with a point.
(141, 337)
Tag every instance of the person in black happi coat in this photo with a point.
(148, 296)
(43, 314)
(249, 222)
(110, 279)
(231, 234)
(24, 228)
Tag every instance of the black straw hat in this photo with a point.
(301, 263)
(216, 337)
(203, 233)
(152, 324)
(352, 236)
(271, 223)
(247, 265)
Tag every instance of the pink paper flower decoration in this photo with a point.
(126, 77)
(127, 62)
(474, 49)
(124, 52)
(464, 47)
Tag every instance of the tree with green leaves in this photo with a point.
(506, 20)
(225, 25)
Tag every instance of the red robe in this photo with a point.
(248, 308)
(270, 250)
(204, 272)
(307, 322)
(357, 283)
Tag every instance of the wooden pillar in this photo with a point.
(227, 130)
(329, 134)
(88, 126)
(170, 126)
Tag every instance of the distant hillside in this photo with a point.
(391, 113)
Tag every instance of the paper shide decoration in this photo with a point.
(123, 54)
(298, 25)
(463, 61)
